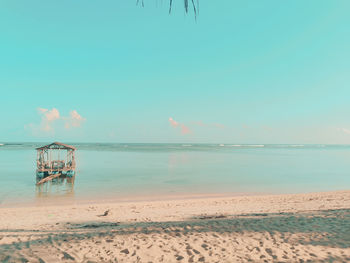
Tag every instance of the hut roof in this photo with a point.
(57, 145)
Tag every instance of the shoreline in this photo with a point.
(68, 199)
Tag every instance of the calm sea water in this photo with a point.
(121, 170)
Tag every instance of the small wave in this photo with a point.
(247, 145)
(221, 145)
(186, 145)
(297, 145)
(1, 144)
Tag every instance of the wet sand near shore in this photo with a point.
(283, 228)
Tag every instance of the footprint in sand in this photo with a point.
(125, 251)
(178, 257)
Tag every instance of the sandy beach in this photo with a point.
(174, 131)
(313, 227)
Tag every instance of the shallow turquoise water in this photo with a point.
(119, 170)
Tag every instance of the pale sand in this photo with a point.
(276, 228)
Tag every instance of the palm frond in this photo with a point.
(142, 3)
(170, 5)
(194, 9)
(186, 5)
(195, 5)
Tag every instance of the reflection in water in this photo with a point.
(111, 170)
(57, 187)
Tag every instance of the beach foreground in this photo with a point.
(271, 228)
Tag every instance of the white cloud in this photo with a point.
(173, 122)
(74, 120)
(52, 120)
(48, 117)
(184, 129)
(347, 131)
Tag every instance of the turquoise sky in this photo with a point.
(245, 72)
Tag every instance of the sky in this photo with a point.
(110, 71)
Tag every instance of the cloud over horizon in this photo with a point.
(184, 129)
(52, 119)
(74, 120)
(344, 130)
(48, 117)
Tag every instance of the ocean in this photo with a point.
(128, 170)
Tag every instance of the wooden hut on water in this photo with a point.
(55, 160)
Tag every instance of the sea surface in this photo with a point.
(111, 170)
